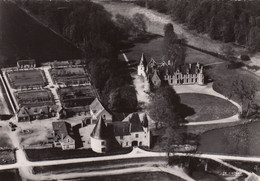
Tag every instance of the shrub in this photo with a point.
(245, 57)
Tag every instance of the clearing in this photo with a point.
(26, 79)
(238, 140)
(207, 107)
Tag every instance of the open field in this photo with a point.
(10, 175)
(237, 140)
(59, 154)
(77, 96)
(34, 97)
(22, 37)
(146, 176)
(70, 75)
(26, 78)
(207, 107)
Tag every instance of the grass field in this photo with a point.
(22, 37)
(25, 79)
(95, 166)
(239, 140)
(77, 96)
(145, 176)
(34, 98)
(59, 154)
(207, 107)
(70, 75)
(10, 175)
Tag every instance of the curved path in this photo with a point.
(207, 89)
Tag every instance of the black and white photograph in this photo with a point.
(129, 90)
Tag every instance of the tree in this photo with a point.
(163, 107)
(139, 22)
(228, 51)
(172, 48)
(245, 91)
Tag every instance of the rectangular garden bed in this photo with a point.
(27, 79)
(34, 97)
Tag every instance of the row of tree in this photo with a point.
(225, 20)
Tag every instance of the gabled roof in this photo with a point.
(135, 122)
(65, 139)
(61, 129)
(156, 76)
(23, 112)
(100, 131)
(96, 106)
(143, 60)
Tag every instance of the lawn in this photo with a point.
(26, 79)
(96, 166)
(207, 107)
(23, 38)
(70, 75)
(10, 175)
(238, 140)
(145, 176)
(34, 97)
(77, 96)
(59, 154)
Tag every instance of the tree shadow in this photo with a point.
(185, 111)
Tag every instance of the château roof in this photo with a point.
(100, 131)
(61, 129)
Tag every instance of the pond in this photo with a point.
(238, 140)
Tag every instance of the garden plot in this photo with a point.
(34, 98)
(77, 96)
(70, 75)
(27, 79)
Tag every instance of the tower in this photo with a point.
(99, 137)
(141, 69)
(201, 76)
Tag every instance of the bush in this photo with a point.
(245, 57)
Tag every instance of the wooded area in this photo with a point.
(225, 20)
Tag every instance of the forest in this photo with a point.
(88, 26)
(224, 20)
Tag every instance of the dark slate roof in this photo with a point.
(61, 129)
(120, 128)
(135, 123)
(100, 131)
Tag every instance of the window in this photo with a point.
(136, 135)
(126, 143)
(68, 140)
(121, 137)
(103, 143)
(140, 144)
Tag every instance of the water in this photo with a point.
(239, 140)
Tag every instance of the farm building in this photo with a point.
(157, 73)
(63, 135)
(32, 113)
(26, 64)
(102, 136)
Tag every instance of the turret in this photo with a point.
(100, 137)
(141, 69)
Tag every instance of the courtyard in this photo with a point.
(26, 79)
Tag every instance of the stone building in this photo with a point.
(26, 64)
(158, 73)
